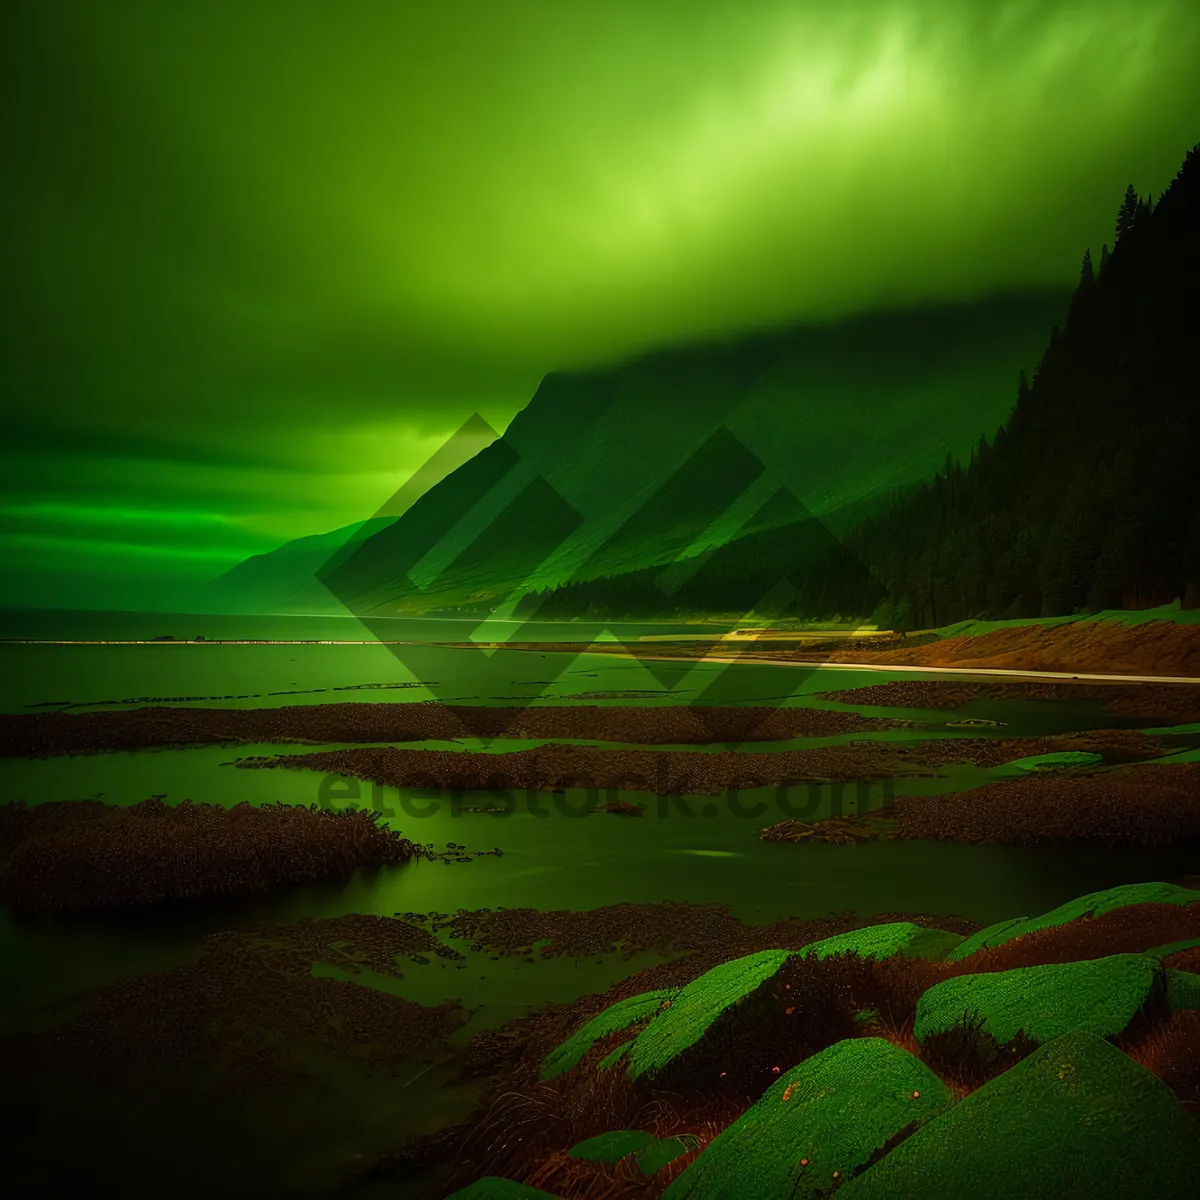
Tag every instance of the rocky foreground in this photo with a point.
(1054, 1056)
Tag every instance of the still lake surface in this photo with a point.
(555, 855)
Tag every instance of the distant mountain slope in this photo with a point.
(631, 466)
(788, 570)
(286, 578)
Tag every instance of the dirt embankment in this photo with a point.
(37, 735)
(1154, 702)
(688, 773)
(1092, 647)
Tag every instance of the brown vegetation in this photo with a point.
(1150, 804)
(1172, 1051)
(839, 831)
(39, 735)
(622, 808)
(82, 854)
(559, 766)
(636, 928)
(1156, 804)
(1162, 703)
(1115, 745)
(1092, 647)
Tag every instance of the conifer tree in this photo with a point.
(1086, 276)
(1127, 215)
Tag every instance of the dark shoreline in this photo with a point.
(44, 734)
(78, 855)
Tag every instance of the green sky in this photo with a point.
(262, 256)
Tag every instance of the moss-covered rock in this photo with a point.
(663, 1151)
(683, 1021)
(614, 1056)
(613, 1146)
(1169, 948)
(1077, 1118)
(612, 1020)
(1183, 989)
(1099, 996)
(816, 1125)
(883, 941)
(1067, 760)
(650, 1154)
(1092, 905)
(492, 1187)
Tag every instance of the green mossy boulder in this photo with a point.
(1100, 996)
(650, 1154)
(884, 941)
(1183, 989)
(492, 1187)
(1169, 948)
(1067, 760)
(612, 1147)
(614, 1056)
(816, 1125)
(663, 1151)
(685, 1021)
(1075, 1119)
(613, 1019)
(1093, 905)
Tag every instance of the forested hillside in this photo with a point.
(1087, 498)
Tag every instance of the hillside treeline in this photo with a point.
(1087, 498)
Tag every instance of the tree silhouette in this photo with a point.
(1127, 214)
(1086, 275)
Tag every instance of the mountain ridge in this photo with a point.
(606, 441)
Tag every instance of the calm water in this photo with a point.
(703, 851)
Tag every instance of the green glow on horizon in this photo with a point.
(103, 514)
(104, 550)
(263, 256)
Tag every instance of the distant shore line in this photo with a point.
(767, 658)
